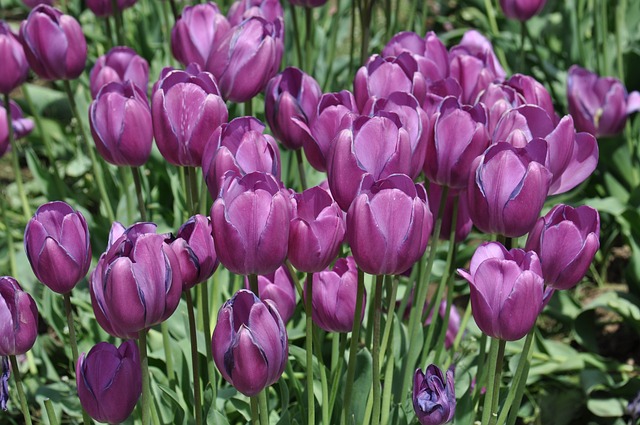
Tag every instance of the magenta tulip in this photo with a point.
(240, 10)
(15, 69)
(278, 287)
(18, 318)
(21, 126)
(119, 65)
(195, 251)
(522, 10)
(103, 8)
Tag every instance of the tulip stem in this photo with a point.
(10, 248)
(192, 182)
(375, 350)
(296, 32)
(514, 398)
(253, 284)
(463, 326)
(523, 35)
(117, 14)
(144, 367)
(206, 322)
(264, 409)
(194, 357)
(255, 415)
(16, 163)
(248, 108)
(496, 356)
(135, 171)
(337, 363)
(311, 403)
(174, 10)
(332, 47)
(166, 343)
(392, 289)
(51, 414)
(23, 399)
(309, 41)
(303, 177)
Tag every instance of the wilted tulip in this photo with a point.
(250, 344)
(14, 68)
(522, 10)
(251, 224)
(186, 108)
(507, 290)
(279, 288)
(434, 397)
(566, 240)
(270, 10)
(119, 65)
(599, 105)
(56, 241)
(21, 126)
(195, 251)
(109, 381)
(120, 120)
(53, 43)
(388, 225)
(463, 220)
(18, 318)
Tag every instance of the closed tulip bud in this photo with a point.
(599, 105)
(120, 120)
(566, 240)
(317, 230)
(388, 225)
(251, 224)
(136, 284)
(498, 99)
(250, 344)
(119, 65)
(109, 381)
(240, 147)
(18, 318)
(14, 68)
(463, 220)
(291, 95)
(278, 287)
(434, 397)
(56, 241)
(270, 10)
(186, 108)
(104, 8)
(197, 33)
(429, 52)
(21, 126)
(522, 10)
(533, 93)
(54, 44)
(195, 251)
(508, 188)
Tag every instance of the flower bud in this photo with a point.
(195, 251)
(104, 8)
(119, 65)
(18, 318)
(522, 10)
(434, 397)
(14, 68)
(21, 126)
(278, 287)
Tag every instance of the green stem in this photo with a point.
(253, 284)
(301, 173)
(463, 326)
(125, 182)
(296, 32)
(604, 42)
(547, 76)
(332, 47)
(353, 348)
(51, 414)
(309, 41)
(135, 171)
(442, 337)
(12, 253)
(375, 351)
(144, 367)
(388, 385)
(255, 414)
(496, 355)
(193, 188)
(353, 35)
(311, 404)
(392, 290)
(519, 380)
(338, 348)
(174, 10)
(491, 15)
(496, 382)
(23, 399)
(317, 346)
(117, 14)
(26, 209)
(248, 108)
(194, 358)
(365, 21)
(206, 326)
(108, 32)
(481, 374)
(264, 409)
(523, 36)
(166, 343)
(73, 341)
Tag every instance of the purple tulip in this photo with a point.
(240, 10)
(119, 65)
(56, 241)
(289, 96)
(388, 225)
(5, 372)
(429, 52)
(434, 397)
(34, 3)
(197, 33)
(241, 148)
(508, 188)
(498, 99)
(533, 93)
(566, 240)
(54, 44)
(507, 290)
(18, 318)
(14, 68)
(253, 48)
(463, 219)
(250, 344)
(121, 127)
(599, 105)
(21, 126)
(137, 282)
(195, 251)
(104, 8)
(317, 229)
(109, 381)
(251, 224)
(278, 287)
(522, 10)
(186, 108)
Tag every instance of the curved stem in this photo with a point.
(16, 163)
(144, 367)
(23, 399)
(353, 347)
(135, 171)
(311, 404)
(197, 399)
(375, 350)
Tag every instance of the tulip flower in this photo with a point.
(120, 120)
(54, 44)
(186, 108)
(21, 126)
(102, 8)
(388, 225)
(463, 220)
(14, 68)
(137, 282)
(278, 287)
(250, 344)
(270, 10)
(56, 241)
(119, 65)
(434, 397)
(522, 10)
(429, 52)
(566, 240)
(109, 381)
(533, 93)
(599, 105)
(18, 318)
(507, 290)
(251, 224)
(34, 3)
(195, 251)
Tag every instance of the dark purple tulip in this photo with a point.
(121, 127)
(429, 52)
(434, 397)
(54, 44)
(5, 372)
(250, 344)
(457, 138)
(56, 241)
(119, 65)
(278, 287)
(137, 282)
(507, 290)
(463, 220)
(247, 58)
(508, 188)
(291, 95)
(240, 147)
(186, 108)
(14, 68)
(18, 318)
(109, 381)
(104, 8)
(34, 3)
(533, 93)
(317, 230)
(599, 105)
(566, 240)
(270, 10)
(195, 251)
(21, 126)
(388, 225)
(522, 10)
(197, 33)
(251, 224)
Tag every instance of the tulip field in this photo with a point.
(288, 212)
